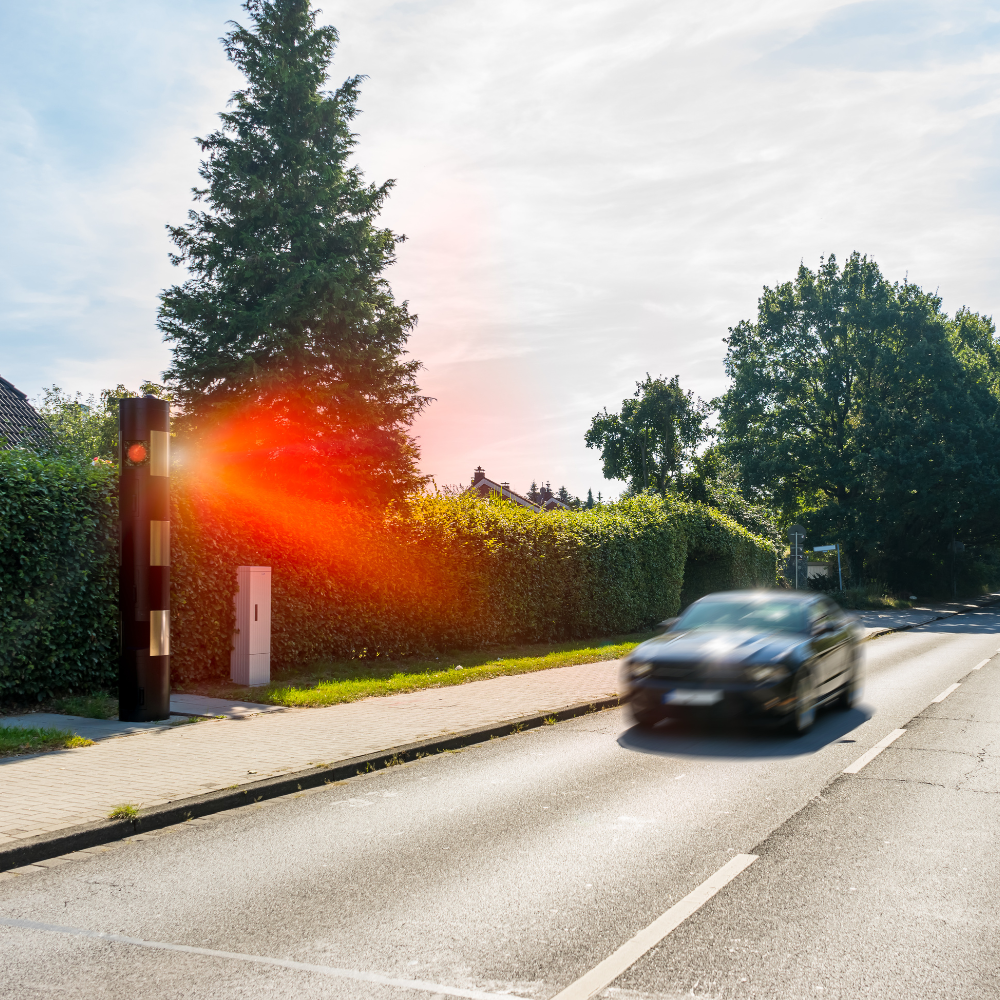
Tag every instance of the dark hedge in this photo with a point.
(58, 576)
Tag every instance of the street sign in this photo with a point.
(824, 548)
(796, 529)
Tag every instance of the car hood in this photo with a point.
(720, 646)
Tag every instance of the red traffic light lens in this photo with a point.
(137, 453)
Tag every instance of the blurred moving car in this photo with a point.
(769, 655)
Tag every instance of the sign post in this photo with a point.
(144, 570)
(796, 538)
(830, 548)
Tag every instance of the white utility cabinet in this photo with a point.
(250, 661)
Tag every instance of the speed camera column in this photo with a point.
(144, 572)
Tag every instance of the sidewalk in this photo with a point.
(45, 794)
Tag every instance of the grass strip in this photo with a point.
(337, 682)
(16, 740)
(88, 706)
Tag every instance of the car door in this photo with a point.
(824, 628)
(840, 634)
(834, 633)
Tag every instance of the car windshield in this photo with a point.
(760, 616)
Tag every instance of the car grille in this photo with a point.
(674, 671)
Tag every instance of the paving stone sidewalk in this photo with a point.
(45, 793)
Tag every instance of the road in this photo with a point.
(517, 866)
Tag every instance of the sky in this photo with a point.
(590, 190)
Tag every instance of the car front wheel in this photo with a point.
(848, 694)
(804, 712)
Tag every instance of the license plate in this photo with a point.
(688, 697)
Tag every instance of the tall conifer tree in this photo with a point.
(287, 343)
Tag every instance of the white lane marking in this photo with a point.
(867, 758)
(979, 666)
(632, 950)
(367, 977)
(944, 694)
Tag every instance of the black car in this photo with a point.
(767, 655)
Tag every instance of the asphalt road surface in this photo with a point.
(518, 867)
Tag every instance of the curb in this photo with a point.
(906, 628)
(79, 838)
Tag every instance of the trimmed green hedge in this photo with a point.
(436, 573)
(723, 555)
(58, 576)
(428, 574)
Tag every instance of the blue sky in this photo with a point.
(590, 190)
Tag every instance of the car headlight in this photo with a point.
(640, 668)
(766, 672)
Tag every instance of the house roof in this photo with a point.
(20, 424)
(485, 487)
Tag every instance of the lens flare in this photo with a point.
(321, 511)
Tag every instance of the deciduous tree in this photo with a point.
(859, 408)
(654, 437)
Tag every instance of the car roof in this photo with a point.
(803, 597)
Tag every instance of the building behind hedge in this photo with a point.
(20, 424)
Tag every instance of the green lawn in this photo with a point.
(332, 682)
(15, 740)
(88, 706)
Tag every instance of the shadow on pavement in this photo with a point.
(675, 737)
(985, 622)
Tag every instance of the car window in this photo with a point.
(831, 609)
(769, 615)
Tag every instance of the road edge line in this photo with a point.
(950, 689)
(417, 985)
(870, 755)
(631, 951)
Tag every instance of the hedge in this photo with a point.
(436, 572)
(428, 574)
(58, 576)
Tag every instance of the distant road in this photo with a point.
(519, 866)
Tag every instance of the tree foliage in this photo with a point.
(713, 481)
(858, 407)
(286, 333)
(654, 438)
(86, 429)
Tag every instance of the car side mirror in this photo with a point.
(666, 626)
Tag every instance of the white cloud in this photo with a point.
(590, 190)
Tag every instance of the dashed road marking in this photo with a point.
(367, 977)
(867, 758)
(632, 950)
(944, 694)
(979, 666)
